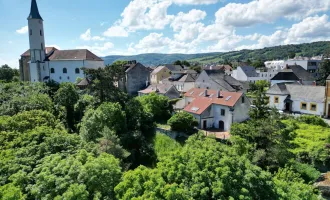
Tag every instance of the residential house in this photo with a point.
(163, 89)
(294, 73)
(135, 79)
(172, 67)
(226, 68)
(250, 74)
(182, 83)
(292, 97)
(309, 64)
(327, 102)
(218, 79)
(217, 109)
(158, 74)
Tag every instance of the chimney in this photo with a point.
(205, 93)
(314, 83)
(219, 94)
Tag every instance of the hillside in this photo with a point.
(153, 59)
(269, 53)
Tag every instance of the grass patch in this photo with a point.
(164, 145)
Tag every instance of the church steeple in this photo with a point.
(34, 12)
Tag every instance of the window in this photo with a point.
(40, 32)
(30, 31)
(303, 106)
(65, 71)
(60, 77)
(313, 107)
(52, 70)
(42, 46)
(77, 70)
(68, 77)
(276, 99)
(243, 100)
(223, 112)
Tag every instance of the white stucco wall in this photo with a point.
(227, 119)
(71, 66)
(204, 81)
(241, 112)
(280, 105)
(296, 107)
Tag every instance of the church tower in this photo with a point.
(37, 43)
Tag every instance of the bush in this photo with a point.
(314, 120)
(307, 172)
(183, 122)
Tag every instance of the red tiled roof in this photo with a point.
(201, 103)
(76, 54)
(48, 49)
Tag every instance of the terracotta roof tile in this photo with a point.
(76, 54)
(201, 102)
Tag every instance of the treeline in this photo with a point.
(59, 142)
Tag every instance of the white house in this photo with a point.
(217, 109)
(57, 65)
(250, 74)
(183, 84)
(297, 98)
(310, 65)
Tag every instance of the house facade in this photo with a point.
(297, 98)
(183, 83)
(216, 109)
(136, 78)
(250, 74)
(218, 79)
(158, 74)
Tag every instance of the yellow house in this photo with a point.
(327, 94)
(160, 73)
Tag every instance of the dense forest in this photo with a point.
(268, 53)
(60, 142)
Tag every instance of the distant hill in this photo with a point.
(154, 59)
(269, 53)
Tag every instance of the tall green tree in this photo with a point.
(67, 96)
(324, 71)
(7, 74)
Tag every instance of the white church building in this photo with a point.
(39, 64)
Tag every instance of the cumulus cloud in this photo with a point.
(23, 30)
(184, 19)
(116, 31)
(196, 2)
(267, 11)
(99, 49)
(87, 36)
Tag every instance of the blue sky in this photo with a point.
(109, 27)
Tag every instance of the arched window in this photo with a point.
(77, 71)
(65, 71)
(40, 32)
(52, 70)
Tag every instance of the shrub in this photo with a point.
(307, 172)
(314, 120)
(183, 122)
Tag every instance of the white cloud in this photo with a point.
(116, 31)
(146, 14)
(99, 49)
(154, 42)
(87, 35)
(184, 19)
(13, 63)
(189, 32)
(196, 2)
(267, 11)
(23, 30)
